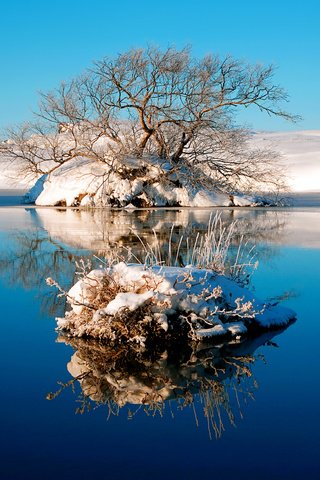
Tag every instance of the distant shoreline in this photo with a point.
(12, 192)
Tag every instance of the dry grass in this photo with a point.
(212, 250)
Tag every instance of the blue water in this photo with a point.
(276, 434)
(11, 197)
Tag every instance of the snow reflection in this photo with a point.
(101, 228)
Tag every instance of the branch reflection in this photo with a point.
(215, 380)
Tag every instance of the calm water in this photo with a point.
(276, 408)
(11, 197)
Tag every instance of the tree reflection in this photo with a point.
(61, 237)
(33, 256)
(100, 230)
(214, 380)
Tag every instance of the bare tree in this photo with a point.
(162, 103)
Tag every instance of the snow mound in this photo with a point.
(201, 302)
(86, 183)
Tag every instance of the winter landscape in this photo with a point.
(159, 247)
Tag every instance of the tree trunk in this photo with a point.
(183, 142)
(143, 142)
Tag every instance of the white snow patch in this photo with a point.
(87, 201)
(211, 332)
(129, 300)
(236, 328)
(87, 183)
(162, 319)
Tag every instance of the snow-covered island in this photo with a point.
(150, 306)
(152, 182)
(153, 128)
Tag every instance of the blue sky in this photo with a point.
(44, 42)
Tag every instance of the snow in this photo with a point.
(236, 328)
(10, 177)
(79, 176)
(215, 331)
(87, 201)
(83, 292)
(87, 183)
(244, 201)
(171, 291)
(129, 300)
(162, 319)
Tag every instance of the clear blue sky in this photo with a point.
(44, 42)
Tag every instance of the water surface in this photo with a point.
(275, 433)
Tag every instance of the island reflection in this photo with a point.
(100, 230)
(56, 239)
(59, 238)
(215, 380)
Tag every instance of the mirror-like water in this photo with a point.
(245, 410)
